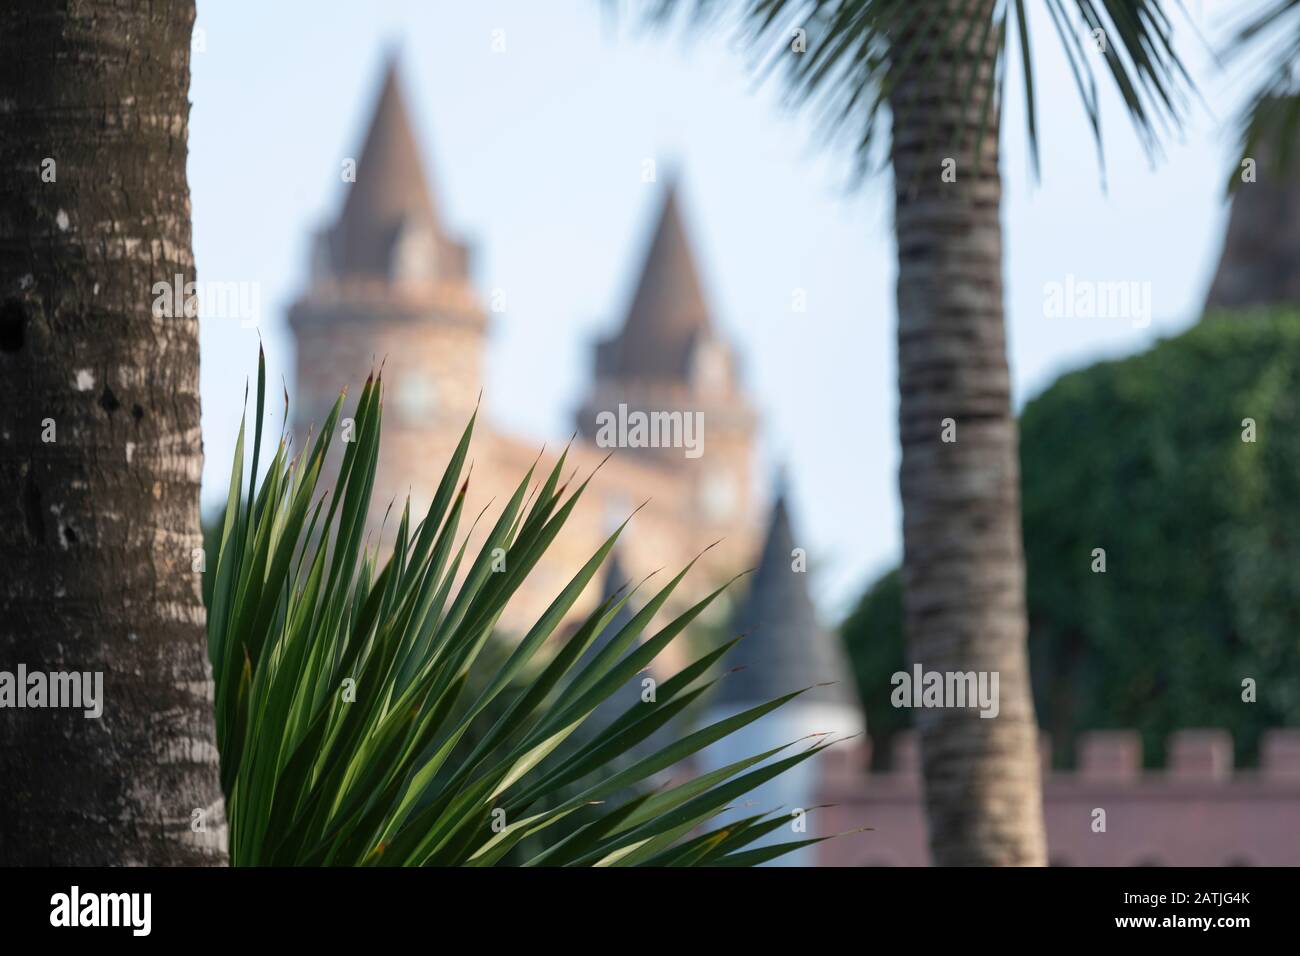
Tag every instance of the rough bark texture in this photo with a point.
(963, 561)
(98, 527)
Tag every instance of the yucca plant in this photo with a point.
(341, 715)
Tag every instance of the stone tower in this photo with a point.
(1260, 262)
(668, 359)
(388, 284)
(784, 649)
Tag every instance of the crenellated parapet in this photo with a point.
(1198, 809)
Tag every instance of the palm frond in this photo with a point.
(1266, 46)
(856, 50)
(347, 732)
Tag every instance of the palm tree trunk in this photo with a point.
(100, 451)
(963, 562)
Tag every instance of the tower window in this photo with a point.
(718, 497)
(415, 254)
(710, 367)
(417, 399)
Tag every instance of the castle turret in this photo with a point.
(389, 284)
(1260, 261)
(627, 696)
(667, 318)
(784, 649)
(667, 385)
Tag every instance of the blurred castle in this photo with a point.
(389, 284)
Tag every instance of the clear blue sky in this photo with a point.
(536, 157)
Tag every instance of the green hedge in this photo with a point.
(1145, 458)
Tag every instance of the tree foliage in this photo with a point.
(1144, 457)
(1265, 49)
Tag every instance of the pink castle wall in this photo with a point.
(1197, 811)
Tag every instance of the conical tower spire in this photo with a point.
(616, 580)
(1260, 261)
(785, 648)
(613, 706)
(668, 310)
(391, 192)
